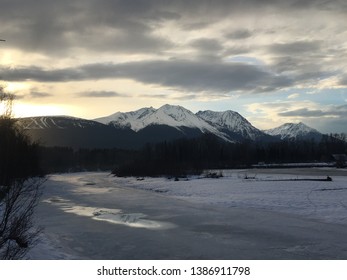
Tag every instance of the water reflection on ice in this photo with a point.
(115, 216)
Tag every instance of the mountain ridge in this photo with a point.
(233, 124)
(148, 125)
(178, 116)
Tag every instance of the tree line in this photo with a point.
(66, 159)
(177, 158)
(188, 156)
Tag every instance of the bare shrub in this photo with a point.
(20, 188)
(17, 204)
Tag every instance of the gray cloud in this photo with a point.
(335, 111)
(58, 26)
(36, 94)
(294, 48)
(207, 45)
(195, 25)
(100, 94)
(32, 94)
(180, 97)
(305, 62)
(319, 4)
(343, 80)
(239, 34)
(303, 70)
(185, 75)
(308, 45)
(304, 112)
(125, 26)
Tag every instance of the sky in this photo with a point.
(272, 61)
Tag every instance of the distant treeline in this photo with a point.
(188, 156)
(65, 159)
(184, 156)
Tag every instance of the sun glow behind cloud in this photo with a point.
(21, 110)
(225, 55)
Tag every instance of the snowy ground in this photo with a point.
(287, 193)
(147, 211)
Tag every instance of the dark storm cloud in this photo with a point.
(180, 74)
(122, 25)
(100, 94)
(204, 76)
(58, 26)
(34, 73)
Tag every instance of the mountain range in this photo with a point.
(147, 125)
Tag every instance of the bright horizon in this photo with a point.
(272, 63)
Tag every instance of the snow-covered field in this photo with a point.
(288, 193)
(324, 201)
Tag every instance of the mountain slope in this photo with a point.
(168, 115)
(295, 131)
(234, 125)
(58, 122)
(149, 125)
(132, 120)
(77, 133)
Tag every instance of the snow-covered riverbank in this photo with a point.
(325, 200)
(96, 215)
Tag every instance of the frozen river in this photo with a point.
(97, 216)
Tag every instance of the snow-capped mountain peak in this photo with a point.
(132, 120)
(228, 125)
(226, 119)
(294, 131)
(231, 122)
(176, 116)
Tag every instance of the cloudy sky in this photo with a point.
(271, 61)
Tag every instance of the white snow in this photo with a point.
(60, 122)
(132, 120)
(178, 116)
(292, 130)
(322, 200)
(284, 193)
(231, 121)
(170, 115)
